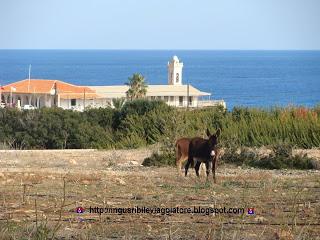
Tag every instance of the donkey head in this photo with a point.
(213, 141)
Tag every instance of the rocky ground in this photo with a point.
(40, 191)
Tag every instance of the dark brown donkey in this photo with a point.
(182, 151)
(204, 150)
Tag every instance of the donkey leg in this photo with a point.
(178, 158)
(187, 166)
(207, 168)
(214, 169)
(179, 163)
(196, 167)
(215, 163)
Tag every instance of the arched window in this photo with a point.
(177, 77)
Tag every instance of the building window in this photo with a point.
(180, 101)
(159, 98)
(153, 97)
(171, 98)
(166, 98)
(73, 102)
(190, 101)
(177, 78)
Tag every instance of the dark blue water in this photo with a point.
(246, 78)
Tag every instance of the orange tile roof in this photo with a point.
(43, 86)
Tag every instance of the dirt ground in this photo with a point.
(40, 191)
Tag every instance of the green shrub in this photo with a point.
(140, 107)
(159, 160)
(280, 158)
(145, 126)
(104, 117)
(141, 122)
(281, 162)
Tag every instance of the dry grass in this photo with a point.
(39, 202)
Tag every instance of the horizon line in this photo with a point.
(155, 49)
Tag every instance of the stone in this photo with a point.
(260, 219)
(283, 235)
(134, 163)
(120, 181)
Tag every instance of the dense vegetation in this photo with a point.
(281, 157)
(141, 123)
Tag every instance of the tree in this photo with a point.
(137, 86)
(117, 103)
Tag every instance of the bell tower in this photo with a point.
(175, 71)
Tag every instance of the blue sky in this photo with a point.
(160, 24)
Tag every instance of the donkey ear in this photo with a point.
(218, 132)
(208, 133)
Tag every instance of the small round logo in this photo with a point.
(80, 210)
(250, 211)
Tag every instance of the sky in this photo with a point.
(160, 24)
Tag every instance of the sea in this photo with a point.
(242, 78)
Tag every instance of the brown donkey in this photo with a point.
(182, 151)
(204, 150)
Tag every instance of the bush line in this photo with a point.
(141, 123)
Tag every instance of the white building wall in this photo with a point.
(36, 100)
(176, 102)
(64, 103)
(89, 103)
(48, 101)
